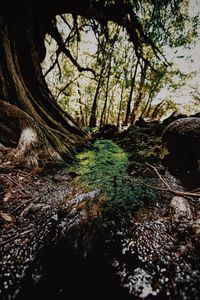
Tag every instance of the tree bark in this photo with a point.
(23, 26)
(93, 117)
(103, 114)
(22, 84)
(156, 112)
(120, 105)
(140, 96)
(128, 108)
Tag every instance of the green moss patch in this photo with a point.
(105, 167)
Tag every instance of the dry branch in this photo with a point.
(168, 188)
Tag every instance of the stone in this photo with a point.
(183, 137)
(180, 209)
(182, 140)
(174, 116)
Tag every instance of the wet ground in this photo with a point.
(96, 232)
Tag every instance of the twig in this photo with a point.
(196, 190)
(168, 188)
(53, 31)
(9, 240)
(25, 173)
(26, 231)
(153, 187)
(18, 207)
(16, 236)
(15, 182)
(9, 178)
(26, 209)
(10, 169)
(158, 174)
(66, 86)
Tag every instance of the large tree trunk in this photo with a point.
(23, 26)
(22, 84)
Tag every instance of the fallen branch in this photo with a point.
(168, 188)
(159, 176)
(6, 170)
(15, 182)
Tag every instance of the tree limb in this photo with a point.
(52, 66)
(66, 86)
(159, 176)
(122, 13)
(65, 21)
(53, 31)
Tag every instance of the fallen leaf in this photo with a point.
(82, 203)
(6, 217)
(7, 197)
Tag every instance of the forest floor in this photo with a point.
(115, 223)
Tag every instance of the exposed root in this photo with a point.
(33, 142)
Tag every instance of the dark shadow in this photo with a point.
(60, 274)
(183, 168)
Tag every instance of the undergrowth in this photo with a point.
(105, 167)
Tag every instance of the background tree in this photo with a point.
(122, 75)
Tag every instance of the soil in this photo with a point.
(53, 246)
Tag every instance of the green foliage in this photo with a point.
(105, 167)
(128, 197)
(107, 49)
(90, 130)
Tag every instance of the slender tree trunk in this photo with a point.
(23, 85)
(93, 116)
(120, 106)
(86, 112)
(128, 108)
(103, 114)
(152, 92)
(109, 108)
(140, 96)
(146, 107)
(82, 119)
(156, 110)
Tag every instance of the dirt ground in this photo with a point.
(49, 246)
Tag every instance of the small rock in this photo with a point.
(180, 209)
(33, 208)
(55, 217)
(86, 196)
(37, 207)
